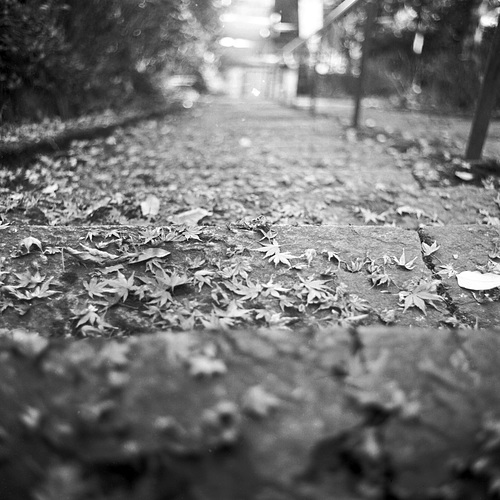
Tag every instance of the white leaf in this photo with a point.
(29, 242)
(50, 189)
(149, 253)
(258, 402)
(474, 280)
(465, 176)
(191, 217)
(150, 206)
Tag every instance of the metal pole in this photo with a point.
(371, 13)
(486, 102)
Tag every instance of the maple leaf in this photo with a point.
(282, 258)
(429, 249)
(275, 255)
(420, 294)
(258, 402)
(240, 268)
(232, 313)
(403, 262)
(172, 280)
(89, 236)
(39, 292)
(192, 232)
(407, 210)
(270, 249)
(202, 365)
(273, 319)
(214, 322)
(203, 277)
(195, 263)
(88, 315)
(309, 254)
(149, 234)
(97, 289)
(331, 255)
(380, 278)
(268, 235)
(369, 216)
(315, 290)
(121, 286)
(447, 270)
(28, 280)
(248, 291)
(273, 289)
(356, 265)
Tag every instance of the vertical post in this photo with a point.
(486, 102)
(312, 91)
(371, 13)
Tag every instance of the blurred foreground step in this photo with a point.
(124, 280)
(348, 414)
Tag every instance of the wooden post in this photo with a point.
(486, 102)
(371, 12)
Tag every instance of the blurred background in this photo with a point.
(69, 58)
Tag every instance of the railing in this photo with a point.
(311, 51)
(316, 49)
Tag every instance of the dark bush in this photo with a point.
(69, 57)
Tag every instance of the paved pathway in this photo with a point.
(212, 364)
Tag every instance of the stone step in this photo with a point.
(121, 280)
(339, 413)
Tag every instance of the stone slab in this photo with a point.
(466, 248)
(348, 414)
(205, 277)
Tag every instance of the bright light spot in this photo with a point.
(416, 88)
(237, 43)
(275, 17)
(270, 58)
(187, 103)
(225, 3)
(418, 43)
(490, 20)
(245, 142)
(240, 43)
(209, 57)
(264, 33)
(255, 92)
(226, 42)
(322, 68)
(310, 17)
(241, 19)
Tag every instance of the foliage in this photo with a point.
(424, 51)
(77, 53)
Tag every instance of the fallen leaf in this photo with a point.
(258, 402)
(50, 189)
(465, 176)
(200, 366)
(191, 217)
(429, 249)
(150, 206)
(29, 242)
(474, 280)
(149, 253)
